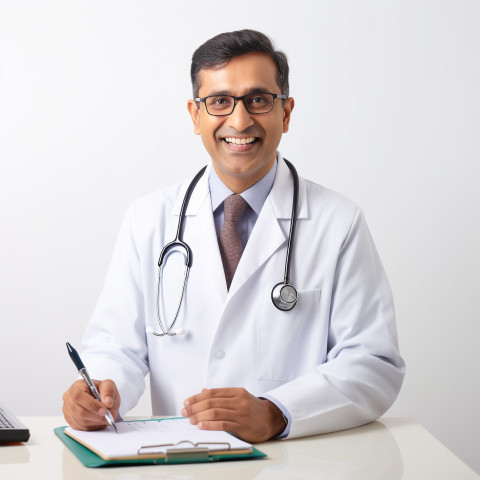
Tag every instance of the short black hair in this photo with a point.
(219, 50)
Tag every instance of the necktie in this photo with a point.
(230, 245)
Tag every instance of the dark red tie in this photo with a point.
(230, 245)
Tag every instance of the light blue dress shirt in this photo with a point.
(255, 196)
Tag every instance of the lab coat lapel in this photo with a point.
(268, 236)
(265, 239)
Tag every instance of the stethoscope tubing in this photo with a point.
(293, 221)
(178, 242)
(168, 331)
(277, 298)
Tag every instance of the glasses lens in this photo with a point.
(254, 103)
(219, 105)
(259, 102)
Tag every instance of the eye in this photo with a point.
(257, 100)
(219, 102)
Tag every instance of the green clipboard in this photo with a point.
(91, 459)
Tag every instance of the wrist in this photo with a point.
(278, 422)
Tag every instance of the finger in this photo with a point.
(80, 395)
(252, 425)
(222, 425)
(108, 393)
(213, 393)
(209, 404)
(217, 415)
(82, 419)
(217, 419)
(81, 410)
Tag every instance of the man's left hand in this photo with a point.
(236, 411)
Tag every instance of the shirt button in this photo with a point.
(219, 353)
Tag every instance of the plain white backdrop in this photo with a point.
(93, 115)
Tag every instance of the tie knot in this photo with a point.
(234, 206)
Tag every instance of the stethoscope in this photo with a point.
(284, 294)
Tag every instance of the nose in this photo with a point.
(240, 118)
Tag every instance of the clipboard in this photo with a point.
(184, 451)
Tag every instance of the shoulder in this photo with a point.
(151, 212)
(165, 194)
(158, 203)
(335, 219)
(326, 203)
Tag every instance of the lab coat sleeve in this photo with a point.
(363, 371)
(115, 336)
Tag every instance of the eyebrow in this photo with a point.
(251, 91)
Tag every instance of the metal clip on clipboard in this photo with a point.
(195, 452)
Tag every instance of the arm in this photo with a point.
(363, 371)
(115, 336)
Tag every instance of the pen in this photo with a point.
(83, 372)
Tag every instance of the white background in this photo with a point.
(93, 115)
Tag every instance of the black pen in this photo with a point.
(83, 372)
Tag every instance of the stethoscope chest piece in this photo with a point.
(284, 296)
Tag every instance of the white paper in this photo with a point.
(133, 435)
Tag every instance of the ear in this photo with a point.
(287, 111)
(195, 114)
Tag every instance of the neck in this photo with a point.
(239, 183)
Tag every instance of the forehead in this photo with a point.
(240, 75)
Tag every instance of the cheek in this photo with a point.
(207, 126)
(275, 131)
(208, 138)
(207, 134)
(274, 127)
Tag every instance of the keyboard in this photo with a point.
(11, 429)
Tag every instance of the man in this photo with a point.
(243, 365)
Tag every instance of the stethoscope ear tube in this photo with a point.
(183, 210)
(179, 244)
(169, 330)
(285, 295)
(172, 246)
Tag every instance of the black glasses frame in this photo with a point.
(237, 99)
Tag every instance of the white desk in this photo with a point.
(389, 449)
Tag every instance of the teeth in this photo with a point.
(239, 141)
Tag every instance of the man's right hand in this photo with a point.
(82, 411)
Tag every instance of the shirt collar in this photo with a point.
(255, 195)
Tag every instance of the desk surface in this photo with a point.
(389, 449)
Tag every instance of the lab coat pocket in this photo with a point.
(288, 342)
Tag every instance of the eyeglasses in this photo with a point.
(219, 105)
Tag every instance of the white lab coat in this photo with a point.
(332, 361)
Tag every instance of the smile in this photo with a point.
(239, 141)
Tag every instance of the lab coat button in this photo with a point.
(219, 353)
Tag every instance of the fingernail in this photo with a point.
(183, 412)
(102, 411)
(186, 403)
(200, 425)
(109, 402)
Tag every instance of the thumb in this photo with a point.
(108, 393)
(108, 401)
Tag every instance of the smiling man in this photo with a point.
(242, 142)
(258, 362)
